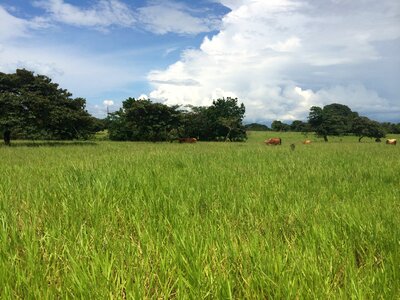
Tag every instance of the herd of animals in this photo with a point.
(278, 141)
(275, 141)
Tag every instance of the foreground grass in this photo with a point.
(209, 220)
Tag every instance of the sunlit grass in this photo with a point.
(205, 220)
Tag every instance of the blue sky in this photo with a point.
(279, 57)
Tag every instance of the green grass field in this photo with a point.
(118, 220)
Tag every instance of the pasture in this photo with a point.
(124, 220)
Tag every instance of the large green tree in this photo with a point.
(32, 106)
(333, 119)
(225, 120)
(143, 120)
(364, 127)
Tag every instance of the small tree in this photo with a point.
(364, 127)
(279, 126)
(334, 119)
(224, 112)
(222, 119)
(299, 126)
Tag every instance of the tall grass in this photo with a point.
(205, 220)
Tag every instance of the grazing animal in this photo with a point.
(273, 141)
(306, 142)
(391, 142)
(187, 140)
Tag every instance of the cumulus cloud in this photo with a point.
(282, 56)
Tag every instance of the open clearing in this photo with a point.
(207, 220)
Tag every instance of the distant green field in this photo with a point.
(98, 220)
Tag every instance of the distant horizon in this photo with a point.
(277, 57)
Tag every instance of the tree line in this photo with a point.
(143, 120)
(34, 107)
(333, 120)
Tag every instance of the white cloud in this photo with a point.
(159, 17)
(163, 17)
(282, 56)
(101, 111)
(102, 14)
(143, 97)
(359, 98)
(10, 26)
(84, 75)
(170, 50)
(108, 102)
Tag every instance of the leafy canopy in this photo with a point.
(143, 120)
(333, 119)
(32, 106)
(364, 127)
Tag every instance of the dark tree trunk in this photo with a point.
(7, 137)
(325, 138)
